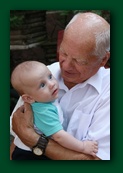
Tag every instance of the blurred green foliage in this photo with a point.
(104, 13)
(16, 21)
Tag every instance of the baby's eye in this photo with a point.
(42, 85)
(50, 76)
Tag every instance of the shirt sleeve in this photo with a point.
(47, 120)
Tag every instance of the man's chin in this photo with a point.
(69, 83)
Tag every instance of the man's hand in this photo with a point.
(22, 125)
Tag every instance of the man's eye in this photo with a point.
(63, 54)
(81, 62)
(42, 85)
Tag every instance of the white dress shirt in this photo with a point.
(86, 109)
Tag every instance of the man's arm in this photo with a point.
(68, 141)
(22, 124)
(56, 152)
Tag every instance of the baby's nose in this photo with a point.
(51, 85)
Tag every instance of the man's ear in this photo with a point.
(105, 59)
(27, 98)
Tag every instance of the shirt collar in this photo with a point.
(62, 86)
(96, 80)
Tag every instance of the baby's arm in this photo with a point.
(68, 141)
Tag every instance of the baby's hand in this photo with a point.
(90, 147)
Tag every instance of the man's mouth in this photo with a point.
(68, 74)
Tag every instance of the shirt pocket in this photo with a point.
(79, 124)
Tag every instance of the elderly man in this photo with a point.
(84, 91)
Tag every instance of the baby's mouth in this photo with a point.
(55, 91)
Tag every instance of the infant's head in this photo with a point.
(34, 82)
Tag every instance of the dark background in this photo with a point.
(115, 163)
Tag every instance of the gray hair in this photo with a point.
(102, 38)
(102, 43)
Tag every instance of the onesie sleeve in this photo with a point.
(46, 119)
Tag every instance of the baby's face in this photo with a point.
(44, 85)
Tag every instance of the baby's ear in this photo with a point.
(27, 98)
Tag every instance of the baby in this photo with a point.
(37, 86)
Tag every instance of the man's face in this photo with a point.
(76, 61)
